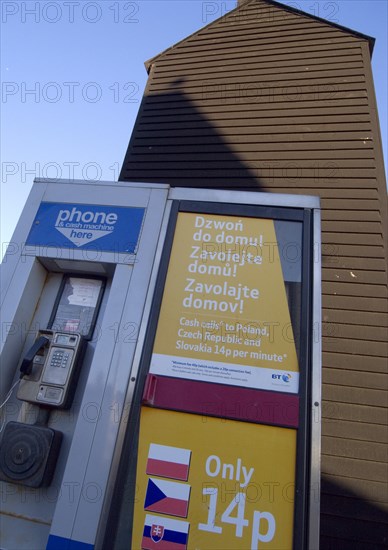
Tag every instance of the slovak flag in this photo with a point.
(164, 533)
(165, 461)
(167, 497)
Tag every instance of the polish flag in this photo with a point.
(167, 497)
(165, 461)
(164, 533)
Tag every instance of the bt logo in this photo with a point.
(285, 377)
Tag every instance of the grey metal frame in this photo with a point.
(90, 426)
(245, 198)
(316, 396)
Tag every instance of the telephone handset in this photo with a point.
(49, 370)
(28, 360)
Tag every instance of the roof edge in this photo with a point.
(371, 41)
(150, 61)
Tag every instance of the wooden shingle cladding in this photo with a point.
(267, 98)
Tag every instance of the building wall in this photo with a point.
(267, 98)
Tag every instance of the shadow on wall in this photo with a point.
(349, 522)
(174, 143)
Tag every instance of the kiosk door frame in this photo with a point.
(306, 509)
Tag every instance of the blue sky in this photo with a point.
(73, 76)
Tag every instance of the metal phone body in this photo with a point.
(54, 371)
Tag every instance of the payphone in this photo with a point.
(95, 300)
(49, 373)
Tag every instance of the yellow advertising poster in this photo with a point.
(224, 316)
(204, 483)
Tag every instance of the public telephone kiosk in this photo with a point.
(160, 369)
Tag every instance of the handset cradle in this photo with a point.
(27, 363)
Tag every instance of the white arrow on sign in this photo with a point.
(87, 236)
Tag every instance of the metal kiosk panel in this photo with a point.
(89, 231)
(225, 383)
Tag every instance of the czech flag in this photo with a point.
(167, 497)
(165, 461)
(164, 534)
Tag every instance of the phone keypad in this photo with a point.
(60, 359)
(59, 364)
